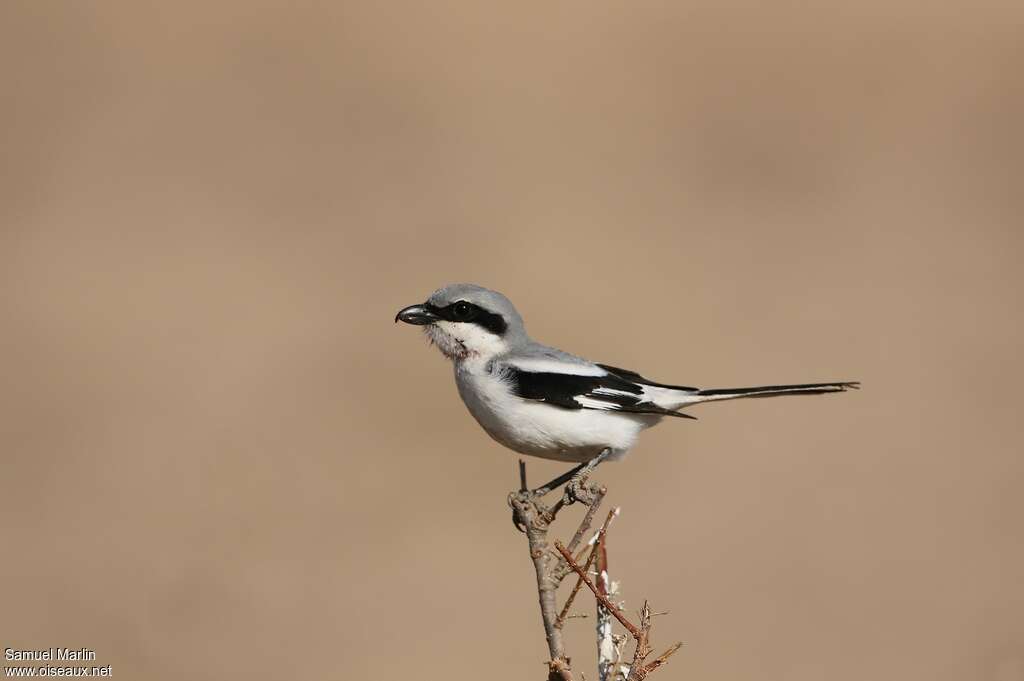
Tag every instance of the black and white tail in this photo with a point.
(714, 394)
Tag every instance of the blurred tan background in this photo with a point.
(221, 459)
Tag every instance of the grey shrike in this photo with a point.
(541, 401)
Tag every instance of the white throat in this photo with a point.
(461, 341)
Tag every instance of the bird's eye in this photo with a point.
(463, 311)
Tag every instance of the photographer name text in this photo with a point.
(47, 654)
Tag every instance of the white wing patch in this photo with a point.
(554, 366)
(591, 403)
(611, 391)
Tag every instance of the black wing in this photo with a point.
(637, 378)
(611, 392)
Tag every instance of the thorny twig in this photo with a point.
(588, 518)
(638, 671)
(611, 607)
(562, 570)
(607, 650)
(590, 561)
(534, 518)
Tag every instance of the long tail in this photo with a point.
(713, 394)
(680, 397)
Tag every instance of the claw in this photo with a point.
(516, 513)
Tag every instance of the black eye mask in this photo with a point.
(465, 312)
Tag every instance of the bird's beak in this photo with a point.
(419, 315)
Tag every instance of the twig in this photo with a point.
(530, 513)
(534, 518)
(661, 659)
(562, 616)
(643, 649)
(590, 561)
(588, 519)
(561, 571)
(606, 650)
(637, 671)
(630, 627)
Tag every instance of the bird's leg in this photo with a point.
(557, 482)
(575, 490)
(575, 476)
(522, 495)
(578, 488)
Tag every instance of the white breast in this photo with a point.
(540, 429)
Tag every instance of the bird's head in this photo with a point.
(465, 320)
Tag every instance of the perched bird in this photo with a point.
(541, 401)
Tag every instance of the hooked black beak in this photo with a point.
(419, 315)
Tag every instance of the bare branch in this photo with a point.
(596, 496)
(607, 651)
(588, 519)
(642, 650)
(534, 518)
(530, 513)
(661, 659)
(590, 559)
(630, 627)
(575, 590)
(637, 671)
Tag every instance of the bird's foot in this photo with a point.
(579, 488)
(529, 510)
(521, 503)
(526, 503)
(575, 477)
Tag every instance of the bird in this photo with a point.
(544, 402)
